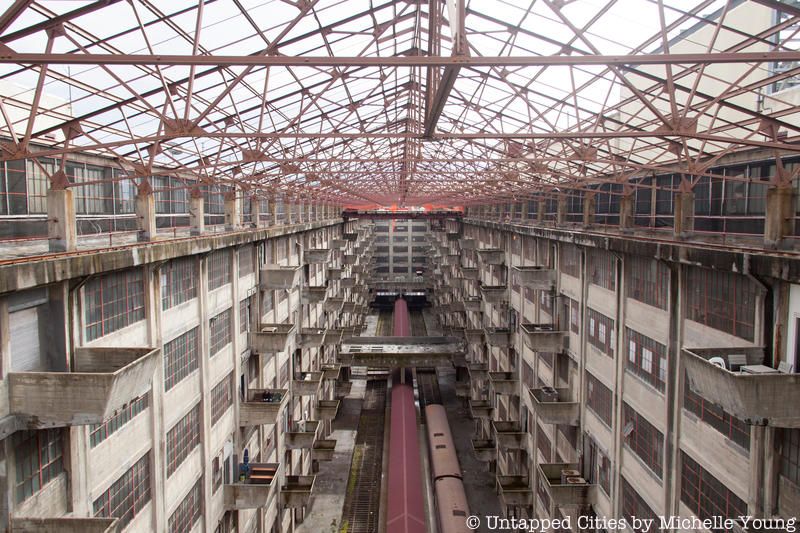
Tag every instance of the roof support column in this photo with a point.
(197, 216)
(683, 223)
(626, 211)
(256, 212)
(541, 206)
(62, 229)
(561, 209)
(233, 214)
(589, 208)
(779, 221)
(525, 211)
(145, 212)
(273, 210)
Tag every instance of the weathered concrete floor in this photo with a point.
(479, 483)
(330, 486)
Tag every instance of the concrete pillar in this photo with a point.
(626, 212)
(525, 211)
(589, 208)
(541, 207)
(197, 218)
(561, 210)
(256, 212)
(273, 211)
(145, 213)
(496, 213)
(683, 223)
(301, 212)
(233, 213)
(62, 229)
(779, 221)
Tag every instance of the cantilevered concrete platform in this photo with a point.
(394, 352)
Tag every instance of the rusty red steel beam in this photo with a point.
(9, 56)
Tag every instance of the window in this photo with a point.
(188, 511)
(546, 301)
(180, 358)
(574, 316)
(284, 375)
(100, 432)
(38, 183)
(598, 398)
(543, 443)
(634, 506)
(38, 459)
(128, 495)
(705, 495)
(725, 301)
(113, 301)
(182, 439)
(602, 267)
(647, 281)
(219, 328)
(790, 455)
(245, 314)
(245, 261)
(219, 269)
(647, 359)
(178, 282)
(570, 260)
(643, 439)
(601, 332)
(221, 398)
(716, 417)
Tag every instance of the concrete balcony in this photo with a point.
(544, 338)
(327, 409)
(745, 387)
(484, 449)
(472, 303)
(478, 371)
(331, 371)
(549, 405)
(480, 409)
(470, 273)
(263, 406)
(348, 282)
(270, 338)
(509, 435)
(494, 294)
(103, 380)
(311, 337)
(333, 304)
(296, 491)
(63, 525)
(563, 487)
(534, 277)
(350, 236)
(349, 259)
(462, 389)
(317, 256)
(474, 335)
(323, 450)
(492, 256)
(276, 277)
(498, 337)
(307, 384)
(349, 307)
(342, 389)
(468, 244)
(338, 244)
(453, 235)
(504, 382)
(334, 273)
(256, 490)
(332, 337)
(514, 490)
(313, 295)
(302, 435)
(451, 259)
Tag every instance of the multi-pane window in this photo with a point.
(543, 443)
(100, 432)
(574, 316)
(602, 269)
(722, 300)
(546, 301)
(219, 269)
(180, 358)
(646, 358)
(647, 280)
(221, 398)
(570, 260)
(128, 495)
(113, 301)
(219, 330)
(188, 511)
(715, 416)
(38, 456)
(599, 398)
(245, 261)
(178, 282)
(600, 332)
(645, 440)
(634, 506)
(38, 183)
(790, 455)
(246, 314)
(705, 495)
(182, 439)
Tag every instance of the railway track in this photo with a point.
(418, 328)
(360, 513)
(427, 390)
(384, 326)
